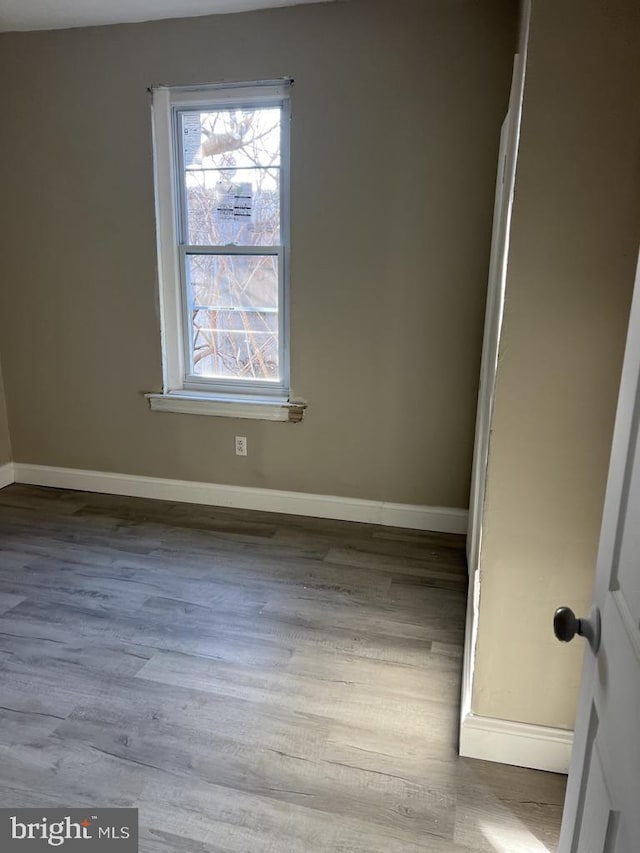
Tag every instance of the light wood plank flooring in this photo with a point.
(251, 682)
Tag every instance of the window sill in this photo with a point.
(258, 408)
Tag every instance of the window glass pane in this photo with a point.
(223, 139)
(233, 303)
(240, 206)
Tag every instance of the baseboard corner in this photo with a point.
(7, 474)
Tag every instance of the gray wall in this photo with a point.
(391, 232)
(5, 444)
(574, 246)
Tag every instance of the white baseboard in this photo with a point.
(416, 517)
(522, 744)
(7, 475)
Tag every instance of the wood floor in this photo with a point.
(250, 682)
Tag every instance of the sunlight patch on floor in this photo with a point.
(512, 839)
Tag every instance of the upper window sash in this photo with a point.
(182, 169)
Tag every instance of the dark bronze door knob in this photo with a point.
(566, 625)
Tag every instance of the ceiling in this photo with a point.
(61, 14)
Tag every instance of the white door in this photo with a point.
(505, 182)
(602, 807)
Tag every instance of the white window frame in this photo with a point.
(182, 391)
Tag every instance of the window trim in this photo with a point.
(172, 250)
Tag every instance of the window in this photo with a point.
(222, 203)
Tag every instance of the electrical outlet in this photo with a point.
(241, 445)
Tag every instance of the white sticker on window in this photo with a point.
(234, 202)
(191, 135)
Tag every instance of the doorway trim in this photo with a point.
(489, 738)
